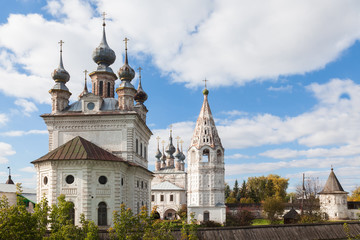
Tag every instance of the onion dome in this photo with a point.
(158, 153)
(126, 72)
(140, 96)
(206, 92)
(177, 154)
(163, 157)
(85, 91)
(60, 74)
(182, 156)
(170, 149)
(103, 55)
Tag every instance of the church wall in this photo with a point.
(216, 214)
(114, 133)
(124, 184)
(179, 198)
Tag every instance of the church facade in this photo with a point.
(97, 145)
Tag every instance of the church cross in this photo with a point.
(158, 139)
(139, 71)
(61, 43)
(205, 81)
(181, 142)
(178, 138)
(126, 40)
(9, 171)
(104, 17)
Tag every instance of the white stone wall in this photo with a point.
(179, 198)
(116, 133)
(216, 214)
(86, 192)
(334, 205)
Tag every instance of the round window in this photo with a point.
(69, 179)
(45, 180)
(102, 180)
(90, 105)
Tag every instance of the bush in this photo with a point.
(210, 224)
(241, 218)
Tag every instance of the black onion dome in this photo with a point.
(126, 72)
(140, 96)
(60, 74)
(103, 54)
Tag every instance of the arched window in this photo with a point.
(137, 146)
(101, 88)
(108, 89)
(102, 214)
(72, 213)
(206, 155)
(206, 216)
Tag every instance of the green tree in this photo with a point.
(17, 223)
(227, 190)
(62, 225)
(355, 195)
(236, 188)
(273, 207)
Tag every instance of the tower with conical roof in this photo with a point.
(60, 94)
(206, 172)
(333, 199)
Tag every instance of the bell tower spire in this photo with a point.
(206, 170)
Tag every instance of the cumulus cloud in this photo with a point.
(3, 119)
(20, 133)
(28, 169)
(27, 106)
(5, 151)
(287, 88)
(230, 42)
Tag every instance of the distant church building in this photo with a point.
(202, 187)
(97, 145)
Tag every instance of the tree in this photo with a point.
(243, 191)
(260, 188)
(17, 223)
(62, 225)
(236, 188)
(273, 207)
(355, 195)
(227, 190)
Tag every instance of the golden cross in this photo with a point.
(126, 40)
(205, 81)
(178, 138)
(163, 142)
(139, 71)
(61, 43)
(85, 71)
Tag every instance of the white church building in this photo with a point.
(201, 188)
(97, 145)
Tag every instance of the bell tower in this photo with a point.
(206, 170)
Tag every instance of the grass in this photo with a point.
(260, 221)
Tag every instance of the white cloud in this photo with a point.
(235, 41)
(5, 151)
(287, 88)
(27, 106)
(28, 169)
(236, 156)
(20, 133)
(3, 119)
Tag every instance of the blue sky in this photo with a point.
(283, 77)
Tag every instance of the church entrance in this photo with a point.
(170, 214)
